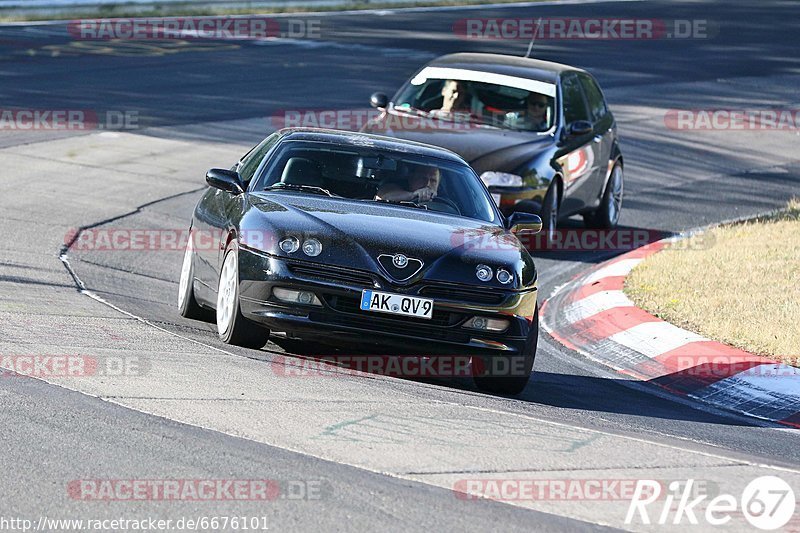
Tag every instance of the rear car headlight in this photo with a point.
(290, 245)
(501, 179)
(484, 273)
(312, 247)
(504, 276)
(296, 297)
(486, 324)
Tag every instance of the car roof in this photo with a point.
(361, 140)
(522, 67)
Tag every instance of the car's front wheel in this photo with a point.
(232, 326)
(507, 375)
(607, 215)
(187, 304)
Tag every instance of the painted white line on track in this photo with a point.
(595, 303)
(622, 267)
(655, 338)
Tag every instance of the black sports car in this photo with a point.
(359, 241)
(539, 134)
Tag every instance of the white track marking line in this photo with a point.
(655, 338)
(762, 381)
(622, 267)
(595, 303)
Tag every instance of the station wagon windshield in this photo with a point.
(487, 99)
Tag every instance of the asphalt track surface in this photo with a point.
(202, 105)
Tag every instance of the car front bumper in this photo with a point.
(339, 321)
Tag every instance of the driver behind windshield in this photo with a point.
(421, 185)
(455, 99)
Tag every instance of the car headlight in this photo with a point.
(501, 179)
(504, 276)
(484, 273)
(290, 245)
(312, 247)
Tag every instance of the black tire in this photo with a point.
(490, 374)
(187, 304)
(607, 215)
(549, 212)
(237, 330)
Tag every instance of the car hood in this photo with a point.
(482, 147)
(354, 234)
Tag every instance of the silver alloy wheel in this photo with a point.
(226, 296)
(615, 196)
(183, 287)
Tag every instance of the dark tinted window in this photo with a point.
(597, 105)
(250, 162)
(365, 174)
(574, 104)
(480, 102)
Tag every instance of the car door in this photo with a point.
(603, 131)
(212, 219)
(578, 154)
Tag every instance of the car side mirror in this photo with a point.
(579, 128)
(378, 100)
(226, 180)
(520, 222)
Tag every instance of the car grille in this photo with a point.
(463, 295)
(391, 325)
(332, 274)
(352, 305)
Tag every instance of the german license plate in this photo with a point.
(396, 304)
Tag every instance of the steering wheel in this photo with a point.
(446, 202)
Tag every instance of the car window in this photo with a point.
(597, 104)
(367, 174)
(484, 103)
(252, 159)
(574, 103)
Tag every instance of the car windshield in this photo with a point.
(490, 100)
(371, 175)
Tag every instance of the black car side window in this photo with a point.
(597, 104)
(250, 162)
(574, 103)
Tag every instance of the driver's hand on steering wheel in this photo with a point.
(425, 194)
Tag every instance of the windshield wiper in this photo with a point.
(297, 187)
(413, 111)
(405, 203)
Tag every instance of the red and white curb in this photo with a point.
(592, 316)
